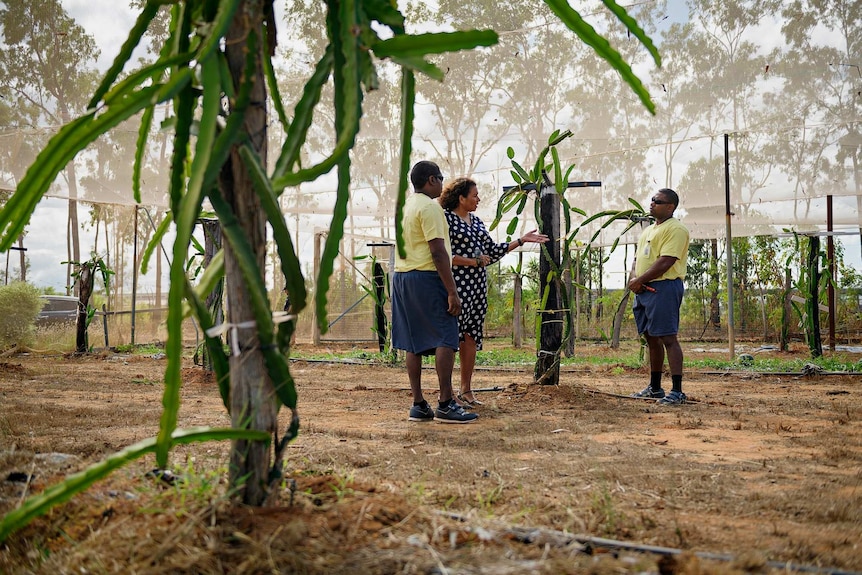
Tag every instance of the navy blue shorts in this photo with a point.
(657, 313)
(420, 319)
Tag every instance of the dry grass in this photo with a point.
(754, 472)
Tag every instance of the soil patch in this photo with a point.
(757, 471)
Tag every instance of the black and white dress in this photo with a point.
(470, 241)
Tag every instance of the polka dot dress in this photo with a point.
(469, 241)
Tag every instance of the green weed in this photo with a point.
(609, 518)
(140, 349)
(486, 500)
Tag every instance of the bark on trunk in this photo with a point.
(252, 394)
(618, 320)
(517, 307)
(714, 307)
(215, 299)
(84, 289)
(74, 249)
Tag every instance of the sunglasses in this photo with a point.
(439, 178)
(659, 202)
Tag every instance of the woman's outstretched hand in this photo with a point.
(535, 237)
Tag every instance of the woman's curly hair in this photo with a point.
(457, 188)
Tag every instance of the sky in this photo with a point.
(107, 21)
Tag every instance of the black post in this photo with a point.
(830, 256)
(379, 301)
(813, 301)
(105, 323)
(551, 333)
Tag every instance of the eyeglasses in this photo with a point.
(659, 202)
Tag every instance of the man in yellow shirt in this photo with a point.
(656, 279)
(425, 303)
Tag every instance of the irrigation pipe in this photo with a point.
(588, 542)
(782, 373)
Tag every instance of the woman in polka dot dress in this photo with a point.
(472, 250)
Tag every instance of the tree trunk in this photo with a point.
(570, 290)
(517, 309)
(23, 260)
(786, 314)
(84, 289)
(252, 394)
(600, 307)
(215, 299)
(714, 283)
(579, 262)
(618, 320)
(548, 361)
(74, 241)
(157, 316)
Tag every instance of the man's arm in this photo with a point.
(661, 265)
(444, 270)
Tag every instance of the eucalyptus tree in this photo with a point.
(699, 175)
(467, 108)
(47, 68)
(722, 89)
(216, 68)
(610, 132)
(17, 150)
(822, 140)
(107, 172)
(735, 69)
(689, 113)
(19, 142)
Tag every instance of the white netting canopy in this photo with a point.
(781, 79)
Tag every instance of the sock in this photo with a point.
(655, 379)
(677, 382)
(443, 404)
(418, 403)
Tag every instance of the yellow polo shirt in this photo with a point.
(423, 220)
(670, 238)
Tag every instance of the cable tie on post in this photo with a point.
(282, 316)
(218, 330)
(233, 328)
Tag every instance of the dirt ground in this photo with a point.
(757, 473)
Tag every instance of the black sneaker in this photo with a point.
(649, 393)
(421, 413)
(454, 413)
(673, 398)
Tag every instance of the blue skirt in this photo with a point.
(420, 319)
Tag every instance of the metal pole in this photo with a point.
(729, 250)
(830, 254)
(134, 273)
(315, 329)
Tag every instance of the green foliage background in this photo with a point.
(19, 306)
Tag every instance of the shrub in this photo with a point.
(19, 306)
